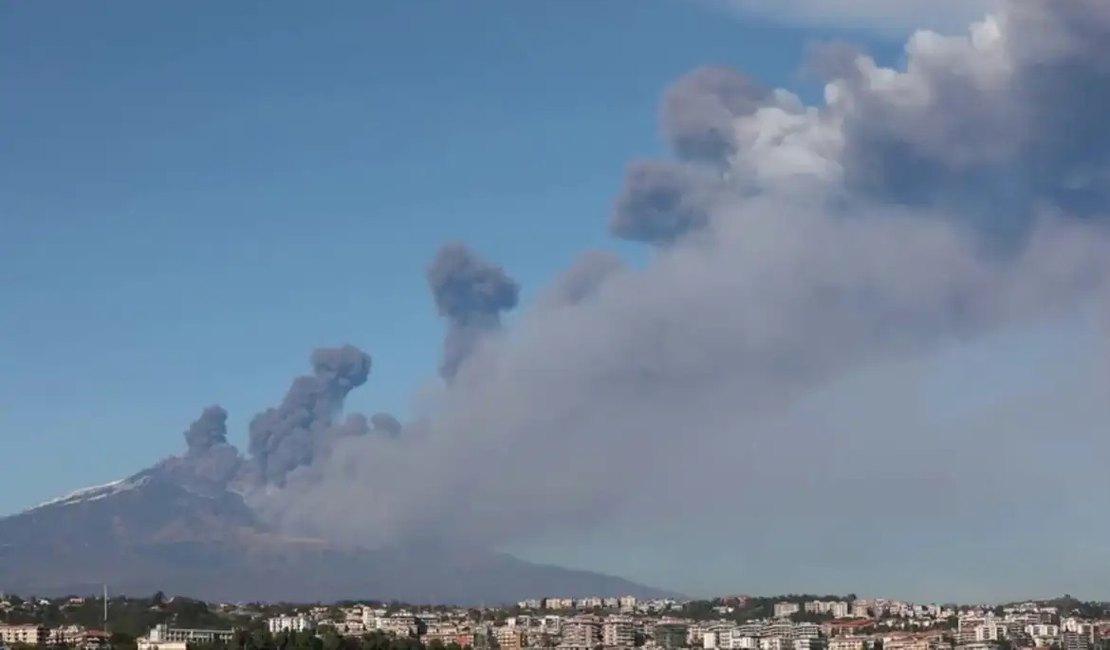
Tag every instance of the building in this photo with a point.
(297, 623)
(1076, 641)
(558, 603)
(447, 633)
(531, 603)
(400, 624)
(809, 643)
(847, 643)
(807, 631)
(618, 632)
(913, 642)
(509, 638)
(670, 634)
(23, 634)
(786, 609)
(627, 603)
(164, 637)
(581, 632)
(590, 603)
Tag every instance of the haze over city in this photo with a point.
(716, 296)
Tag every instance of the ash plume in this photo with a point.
(581, 280)
(470, 293)
(699, 110)
(661, 201)
(796, 247)
(291, 435)
(207, 431)
(210, 463)
(386, 424)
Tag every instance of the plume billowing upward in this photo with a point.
(291, 435)
(207, 431)
(470, 293)
(700, 109)
(793, 244)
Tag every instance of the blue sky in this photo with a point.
(194, 195)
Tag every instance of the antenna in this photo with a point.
(105, 608)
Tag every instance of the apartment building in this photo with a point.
(786, 609)
(509, 638)
(809, 643)
(669, 634)
(837, 608)
(23, 634)
(164, 637)
(581, 632)
(284, 623)
(847, 643)
(618, 631)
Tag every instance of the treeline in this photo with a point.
(326, 639)
(128, 618)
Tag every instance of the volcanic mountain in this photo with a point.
(149, 533)
(186, 525)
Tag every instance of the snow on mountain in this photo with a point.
(94, 493)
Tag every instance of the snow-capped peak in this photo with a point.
(95, 493)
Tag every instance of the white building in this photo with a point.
(22, 634)
(164, 637)
(283, 623)
(559, 603)
(847, 643)
(400, 624)
(627, 603)
(618, 631)
(786, 609)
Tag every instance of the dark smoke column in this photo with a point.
(470, 293)
(292, 434)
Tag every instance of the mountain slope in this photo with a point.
(150, 533)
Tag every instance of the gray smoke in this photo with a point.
(582, 279)
(209, 430)
(796, 245)
(386, 424)
(210, 463)
(699, 110)
(662, 201)
(470, 293)
(294, 433)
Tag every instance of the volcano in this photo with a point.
(151, 533)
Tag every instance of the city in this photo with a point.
(793, 622)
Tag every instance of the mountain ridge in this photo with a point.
(149, 533)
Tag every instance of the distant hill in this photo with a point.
(150, 533)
